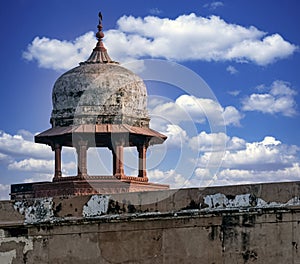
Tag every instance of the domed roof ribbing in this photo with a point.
(99, 91)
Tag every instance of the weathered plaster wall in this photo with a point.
(234, 224)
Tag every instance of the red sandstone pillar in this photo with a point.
(142, 149)
(81, 149)
(119, 162)
(57, 161)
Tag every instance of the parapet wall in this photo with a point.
(234, 224)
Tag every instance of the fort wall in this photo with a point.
(256, 223)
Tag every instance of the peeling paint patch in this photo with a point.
(96, 206)
(221, 201)
(8, 257)
(294, 201)
(40, 210)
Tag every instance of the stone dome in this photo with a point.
(99, 93)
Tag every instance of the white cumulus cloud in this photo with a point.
(211, 142)
(200, 38)
(279, 100)
(4, 158)
(60, 54)
(18, 146)
(42, 167)
(170, 177)
(198, 110)
(18, 153)
(187, 37)
(155, 11)
(268, 160)
(232, 70)
(234, 92)
(241, 176)
(176, 135)
(32, 165)
(214, 5)
(268, 154)
(4, 191)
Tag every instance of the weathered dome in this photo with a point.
(99, 93)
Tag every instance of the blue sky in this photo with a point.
(247, 52)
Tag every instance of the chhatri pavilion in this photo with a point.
(97, 104)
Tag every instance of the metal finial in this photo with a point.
(100, 34)
(99, 54)
(100, 18)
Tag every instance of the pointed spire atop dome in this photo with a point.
(99, 54)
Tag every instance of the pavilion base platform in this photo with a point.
(72, 186)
